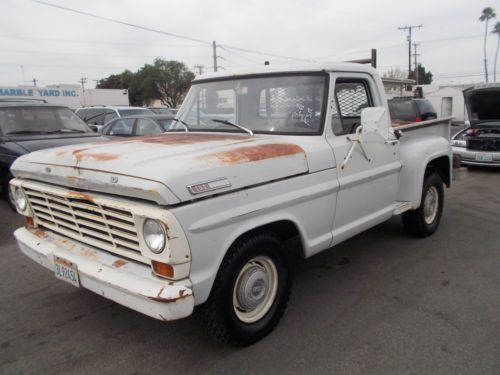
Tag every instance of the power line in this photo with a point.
(162, 32)
(121, 22)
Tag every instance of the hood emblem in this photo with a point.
(48, 169)
(203, 187)
(113, 179)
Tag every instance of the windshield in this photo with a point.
(40, 120)
(290, 104)
(165, 123)
(134, 111)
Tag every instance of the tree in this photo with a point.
(488, 13)
(395, 73)
(496, 30)
(163, 80)
(424, 76)
(172, 79)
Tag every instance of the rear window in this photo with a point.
(425, 107)
(39, 120)
(402, 110)
(134, 111)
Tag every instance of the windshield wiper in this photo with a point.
(183, 123)
(233, 124)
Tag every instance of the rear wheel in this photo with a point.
(424, 221)
(251, 291)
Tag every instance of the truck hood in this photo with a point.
(173, 161)
(483, 104)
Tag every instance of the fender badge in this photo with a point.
(203, 187)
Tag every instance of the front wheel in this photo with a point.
(424, 221)
(250, 292)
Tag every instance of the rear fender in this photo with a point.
(418, 153)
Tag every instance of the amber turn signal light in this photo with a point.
(163, 269)
(30, 222)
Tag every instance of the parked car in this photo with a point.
(411, 110)
(163, 110)
(131, 126)
(97, 117)
(479, 143)
(203, 217)
(27, 126)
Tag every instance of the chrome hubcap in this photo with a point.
(255, 289)
(431, 201)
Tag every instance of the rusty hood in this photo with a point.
(162, 168)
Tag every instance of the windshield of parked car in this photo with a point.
(165, 122)
(134, 111)
(285, 104)
(40, 120)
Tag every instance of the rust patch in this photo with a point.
(61, 153)
(81, 196)
(182, 292)
(81, 154)
(90, 254)
(39, 232)
(186, 139)
(119, 263)
(256, 153)
(158, 298)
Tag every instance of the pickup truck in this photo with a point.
(202, 215)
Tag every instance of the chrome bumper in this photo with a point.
(126, 282)
(469, 157)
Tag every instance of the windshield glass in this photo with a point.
(290, 104)
(134, 111)
(31, 120)
(165, 123)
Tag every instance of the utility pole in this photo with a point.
(83, 81)
(415, 55)
(35, 81)
(214, 51)
(200, 69)
(409, 28)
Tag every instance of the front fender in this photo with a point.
(416, 153)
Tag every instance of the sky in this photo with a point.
(55, 46)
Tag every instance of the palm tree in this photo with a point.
(496, 30)
(488, 13)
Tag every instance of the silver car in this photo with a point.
(479, 143)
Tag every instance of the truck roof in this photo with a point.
(274, 69)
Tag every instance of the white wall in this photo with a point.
(436, 98)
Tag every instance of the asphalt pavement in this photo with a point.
(379, 303)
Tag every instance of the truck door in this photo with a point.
(368, 183)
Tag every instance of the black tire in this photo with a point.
(219, 312)
(6, 191)
(415, 221)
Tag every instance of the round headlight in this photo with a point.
(154, 235)
(20, 199)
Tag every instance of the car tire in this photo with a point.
(424, 221)
(6, 191)
(250, 292)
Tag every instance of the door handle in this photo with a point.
(391, 142)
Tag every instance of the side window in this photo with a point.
(145, 126)
(351, 97)
(110, 115)
(122, 127)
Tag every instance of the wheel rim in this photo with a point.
(255, 289)
(431, 203)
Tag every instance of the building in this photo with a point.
(72, 96)
(448, 100)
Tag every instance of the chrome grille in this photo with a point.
(79, 217)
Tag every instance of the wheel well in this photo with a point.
(286, 230)
(441, 166)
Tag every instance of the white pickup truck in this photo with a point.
(201, 216)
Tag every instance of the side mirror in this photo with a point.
(375, 124)
(94, 128)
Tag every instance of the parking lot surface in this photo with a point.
(380, 303)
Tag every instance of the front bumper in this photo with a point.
(128, 283)
(473, 157)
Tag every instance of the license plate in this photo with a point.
(484, 157)
(67, 271)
